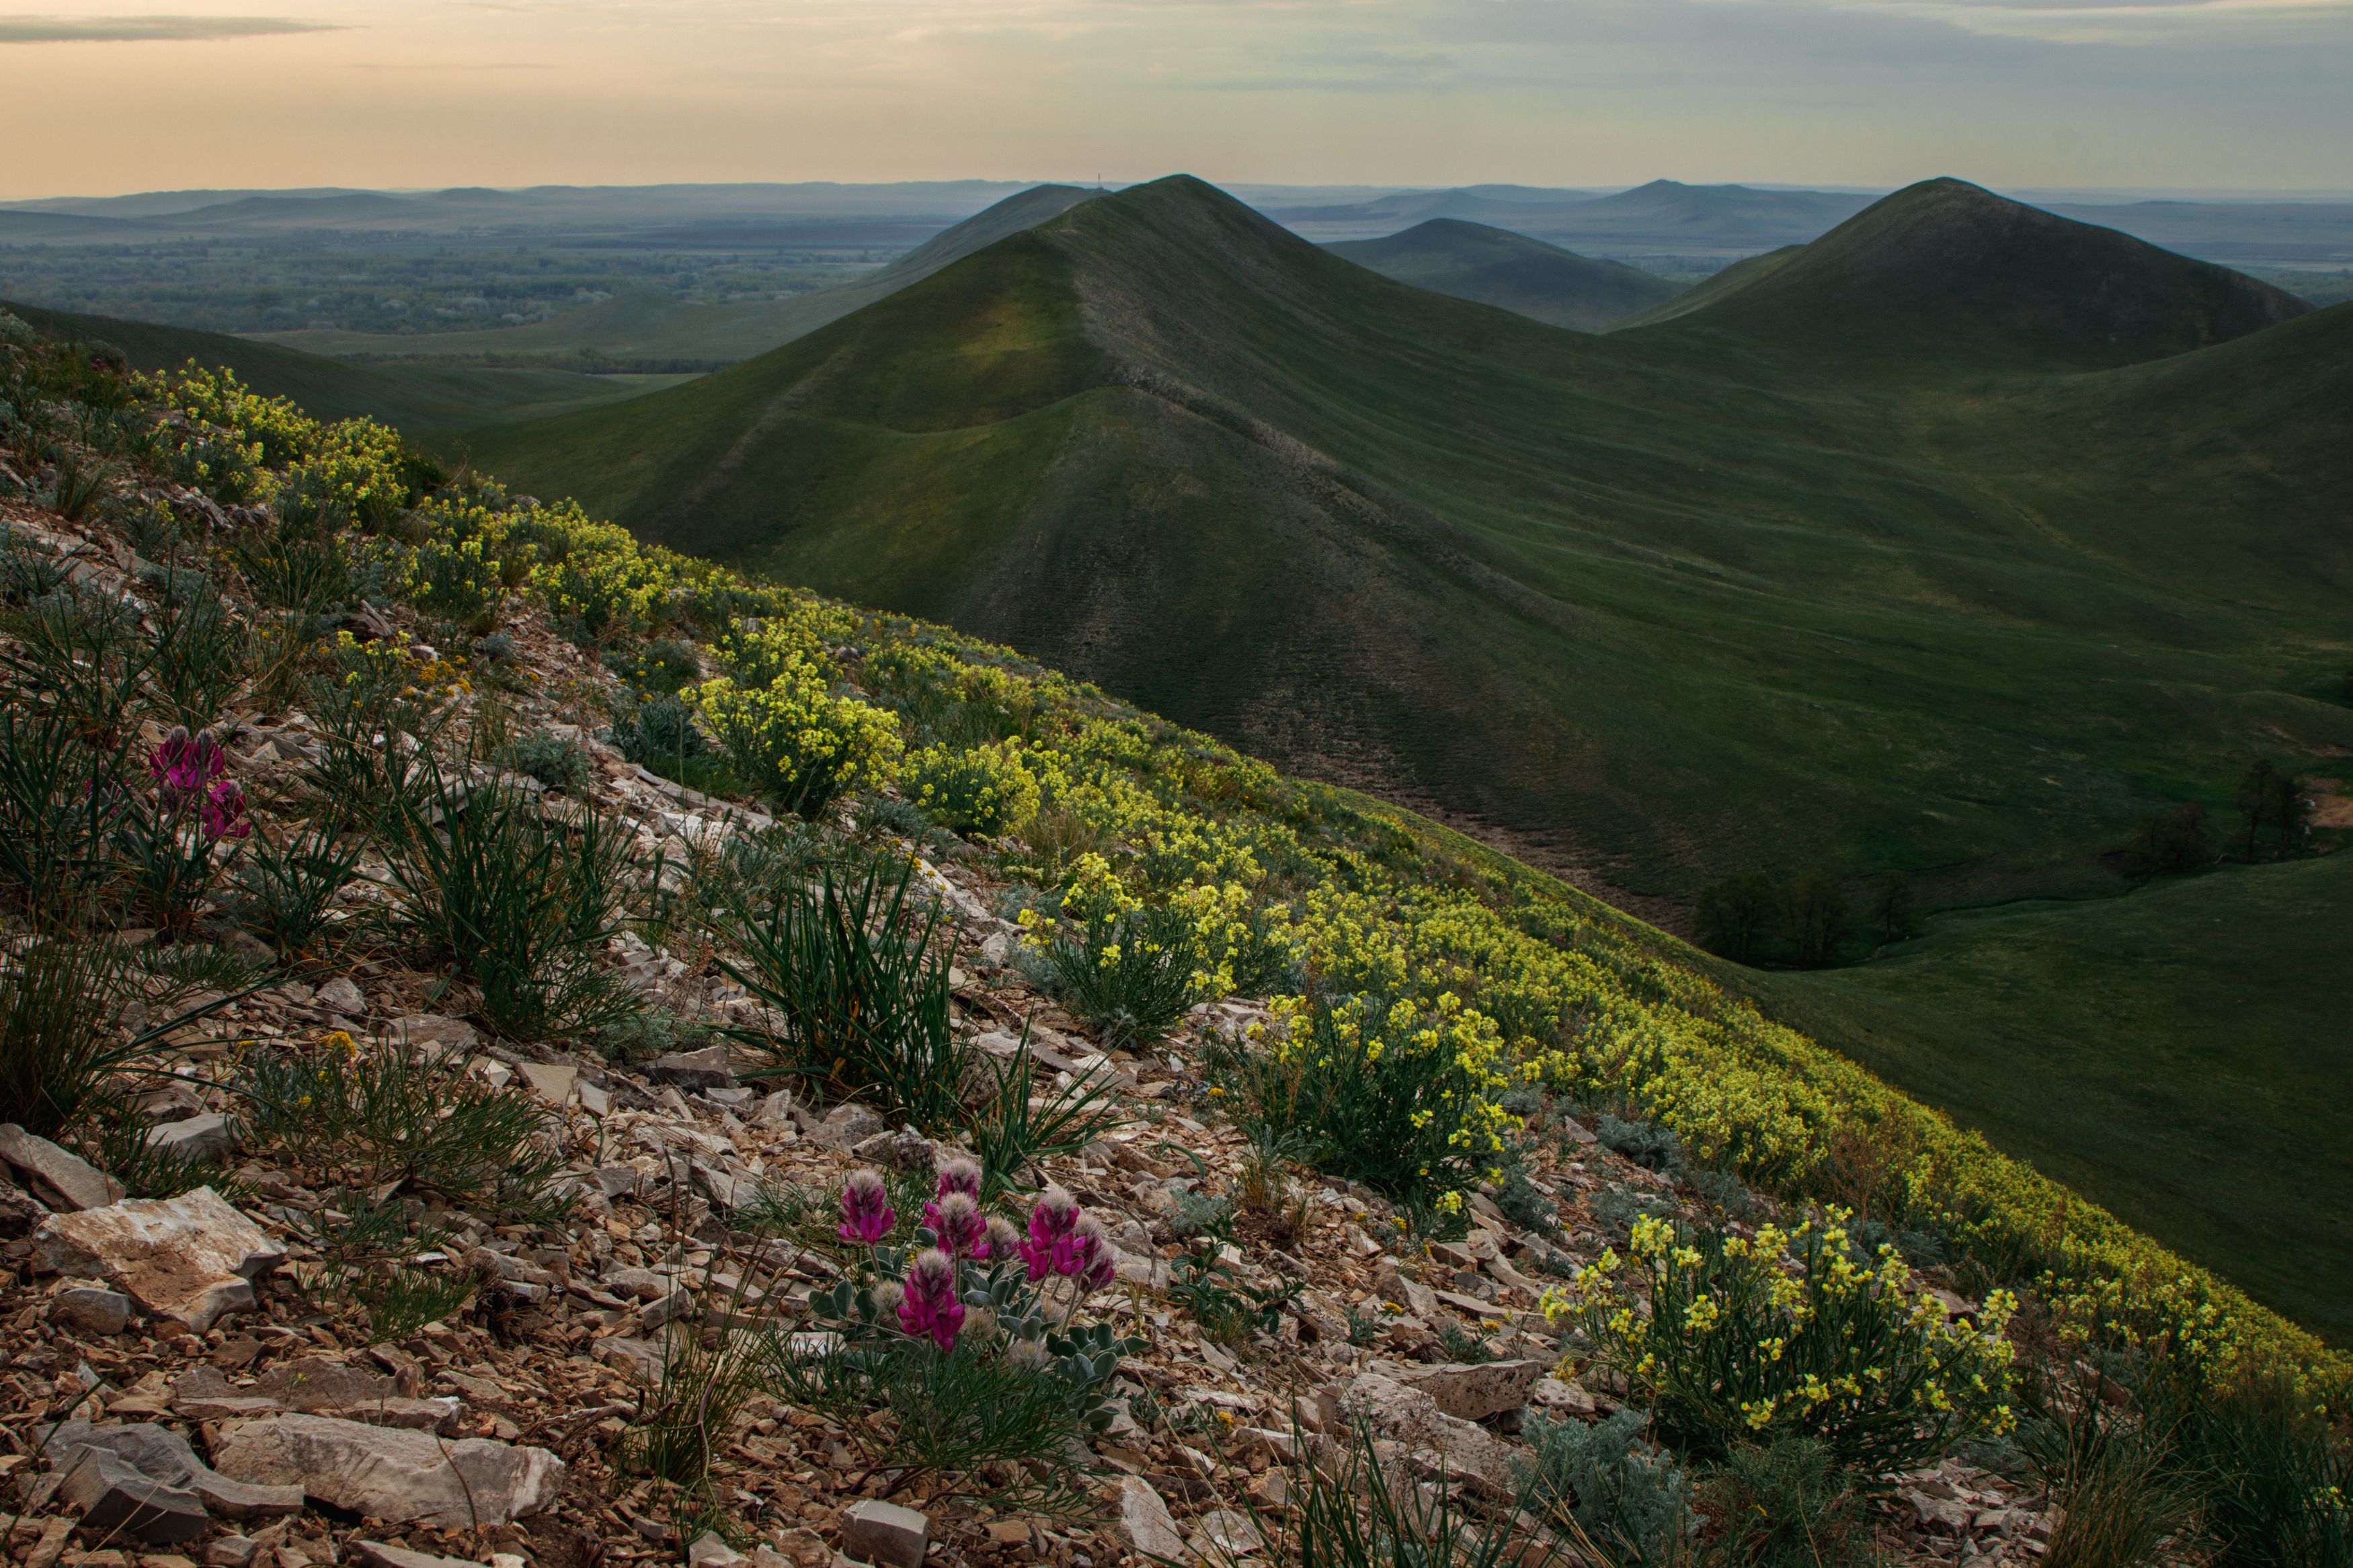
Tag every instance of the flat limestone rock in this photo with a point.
(1144, 1522)
(389, 1474)
(1474, 1391)
(164, 1455)
(59, 1177)
(189, 1259)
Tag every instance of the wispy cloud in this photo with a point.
(25, 29)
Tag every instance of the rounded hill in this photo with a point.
(1496, 266)
(1952, 265)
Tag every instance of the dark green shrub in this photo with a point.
(1132, 975)
(662, 667)
(2273, 1482)
(61, 1039)
(554, 760)
(1750, 1339)
(1647, 1143)
(62, 799)
(1388, 1094)
(1789, 1506)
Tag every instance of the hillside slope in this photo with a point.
(1495, 267)
(1654, 605)
(426, 402)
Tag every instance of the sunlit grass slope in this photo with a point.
(1664, 603)
(2179, 1054)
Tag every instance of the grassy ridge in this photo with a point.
(2180, 1053)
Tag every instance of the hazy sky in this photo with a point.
(2168, 93)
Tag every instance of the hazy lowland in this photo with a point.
(1903, 594)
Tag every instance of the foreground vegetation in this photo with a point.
(1431, 1008)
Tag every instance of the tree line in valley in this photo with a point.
(1813, 921)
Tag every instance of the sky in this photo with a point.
(2169, 94)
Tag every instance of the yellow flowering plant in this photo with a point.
(1733, 1341)
(1395, 1094)
(987, 789)
(793, 739)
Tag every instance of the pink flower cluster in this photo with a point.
(930, 1308)
(187, 770)
(867, 1215)
(954, 1214)
(1065, 1242)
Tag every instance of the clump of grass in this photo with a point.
(1647, 1143)
(1014, 1127)
(1132, 976)
(283, 892)
(519, 902)
(860, 975)
(366, 1247)
(61, 1039)
(1788, 1505)
(365, 1116)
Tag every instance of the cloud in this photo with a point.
(24, 30)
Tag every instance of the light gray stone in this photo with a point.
(342, 995)
(189, 1259)
(1145, 1523)
(710, 1550)
(1412, 1294)
(691, 1070)
(847, 1124)
(60, 1178)
(389, 1474)
(885, 1534)
(115, 1499)
(433, 1029)
(203, 1137)
(88, 1309)
(551, 1082)
(231, 1551)
(1438, 1444)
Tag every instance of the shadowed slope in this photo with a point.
(1495, 267)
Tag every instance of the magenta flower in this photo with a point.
(958, 1175)
(956, 1219)
(867, 1215)
(223, 815)
(930, 1307)
(182, 765)
(1052, 1219)
(1086, 1256)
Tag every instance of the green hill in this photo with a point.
(426, 402)
(1948, 264)
(643, 328)
(1495, 267)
